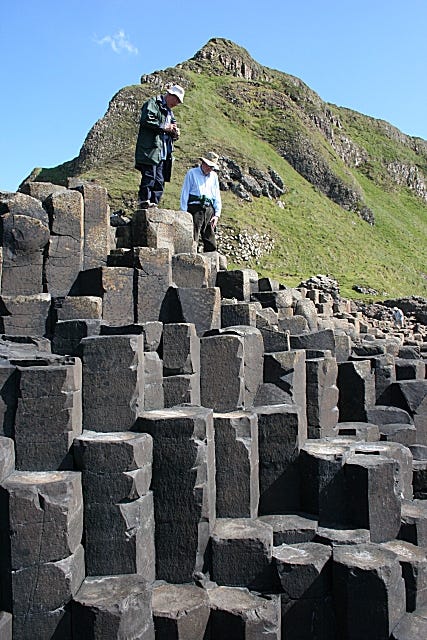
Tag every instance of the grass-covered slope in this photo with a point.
(336, 165)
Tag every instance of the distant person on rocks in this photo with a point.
(154, 146)
(201, 197)
(398, 317)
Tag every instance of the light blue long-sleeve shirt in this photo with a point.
(197, 183)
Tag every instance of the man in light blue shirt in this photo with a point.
(201, 197)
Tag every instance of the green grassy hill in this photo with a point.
(338, 166)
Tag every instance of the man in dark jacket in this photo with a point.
(154, 146)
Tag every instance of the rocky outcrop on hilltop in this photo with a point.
(224, 56)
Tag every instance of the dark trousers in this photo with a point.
(202, 228)
(152, 182)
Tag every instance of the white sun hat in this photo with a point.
(178, 91)
(211, 159)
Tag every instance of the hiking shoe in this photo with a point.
(143, 204)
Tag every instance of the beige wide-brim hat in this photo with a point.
(211, 159)
(178, 91)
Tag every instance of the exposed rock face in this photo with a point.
(409, 176)
(110, 135)
(304, 157)
(249, 182)
(331, 127)
(224, 55)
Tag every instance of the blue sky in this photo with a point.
(61, 62)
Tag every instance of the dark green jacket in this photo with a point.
(151, 130)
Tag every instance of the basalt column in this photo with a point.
(113, 381)
(48, 415)
(45, 519)
(118, 506)
(183, 486)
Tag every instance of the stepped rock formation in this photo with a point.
(193, 452)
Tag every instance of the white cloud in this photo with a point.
(118, 42)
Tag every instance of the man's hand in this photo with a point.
(214, 221)
(173, 130)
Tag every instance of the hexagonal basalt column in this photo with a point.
(239, 614)
(113, 381)
(180, 612)
(44, 515)
(413, 561)
(183, 486)
(373, 504)
(369, 591)
(112, 607)
(241, 553)
(236, 459)
(118, 506)
(48, 415)
(305, 581)
(281, 433)
(322, 480)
